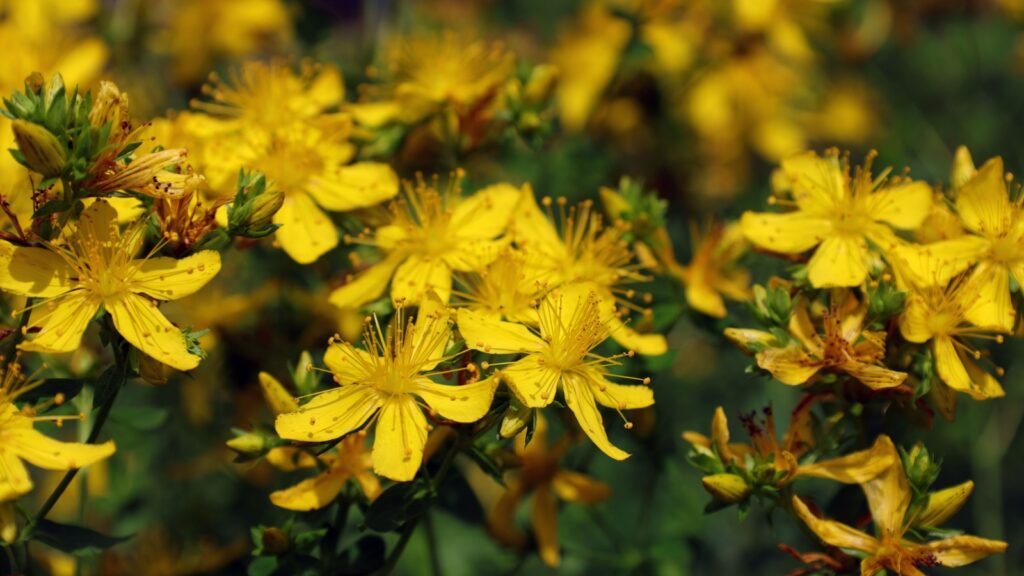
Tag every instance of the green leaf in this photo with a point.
(141, 418)
(486, 463)
(75, 540)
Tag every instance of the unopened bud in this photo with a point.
(42, 151)
(540, 85)
(275, 541)
(264, 207)
(248, 443)
(728, 488)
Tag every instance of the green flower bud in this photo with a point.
(264, 207)
(248, 443)
(42, 152)
(728, 488)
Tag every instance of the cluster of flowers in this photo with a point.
(889, 279)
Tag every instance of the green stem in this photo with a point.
(434, 553)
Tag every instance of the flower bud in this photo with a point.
(516, 418)
(42, 151)
(248, 443)
(963, 168)
(274, 541)
(540, 85)
(728, 488)
(8, 523)
(264, 207)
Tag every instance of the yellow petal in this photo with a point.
(915, 322)
(789, 365)
(904, 206)
(856, 467)
(873, 376)
(963, 167)
(98, 223)
(817, 182)
(369, 285)
(374, 114)
(575, 487)
(33, 271)
(888, 496)
(988, 297)
(276, 395)
(8, 519)
(169, 279)
(962, 550)
(431, 333)
(401, 434)
(419, 275)
(494, 336)
(720, 434)
(950, 365)
(983, 384)
(146, 328)
(579, 396)
(790, 233)
(306, 233)
(704, 299)
(839, 261)
(475, 255)
(356, 186)
(834, 533)
(619, 396)
(643, 344)
(532, 229)
(348, 364)
(485, 214)
(40, 450)
(935, 264)
(370, 485)
(745, 337)
(312, 493)
(465, 403)
(330, 414)
(533, 382)
(14, 478)
(545, 525)
(983, 201)
(943, 504)
(61, 322)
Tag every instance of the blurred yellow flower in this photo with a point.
(561, 355)
(351, 461)
(385, 385)
(840, 215)
(98, 266)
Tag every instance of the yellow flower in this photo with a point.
(889, 497)
(20, 441)
(385, 385)
(995, 243)
(508, 288)
(939, 315)
(97, 266)
(350, 462)
(799, 439)
(269, 118)
(539, 474)
(202, 31)
(572, 323)
(584, 250)
(431, 234)
(424, 75)
(845, 347)
(712, 272)
(840, 215)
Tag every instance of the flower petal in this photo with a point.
(839, 261)
(349, 364)
(40, 450)
(643, 344)
(532, 381)
(915, 322)
(888, 496)
(169, 279)
(278, 398)
(943, 504)
(33, 271)
(485, 214)
(817, 182)
(904, 206)
(312, 493)
(14, 478)
(856, 467)
(619, 396)
(545, 525)
(950, 365)
(355, 186)
(873, 376)
(936, 263)
(465, 403)
(789, 365)
(533, 230)
(369, 285)
(61, 322)
(495, 336)
(989, 290)
(431, 332)
(983, 201)
(962, 550)
(575, 487)
(306, 233)
(145, 327)
(330, 414)
(475, 255)
(834, 533)
(419, 275)
(579, 396)
(789, 233)
(401, 434)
